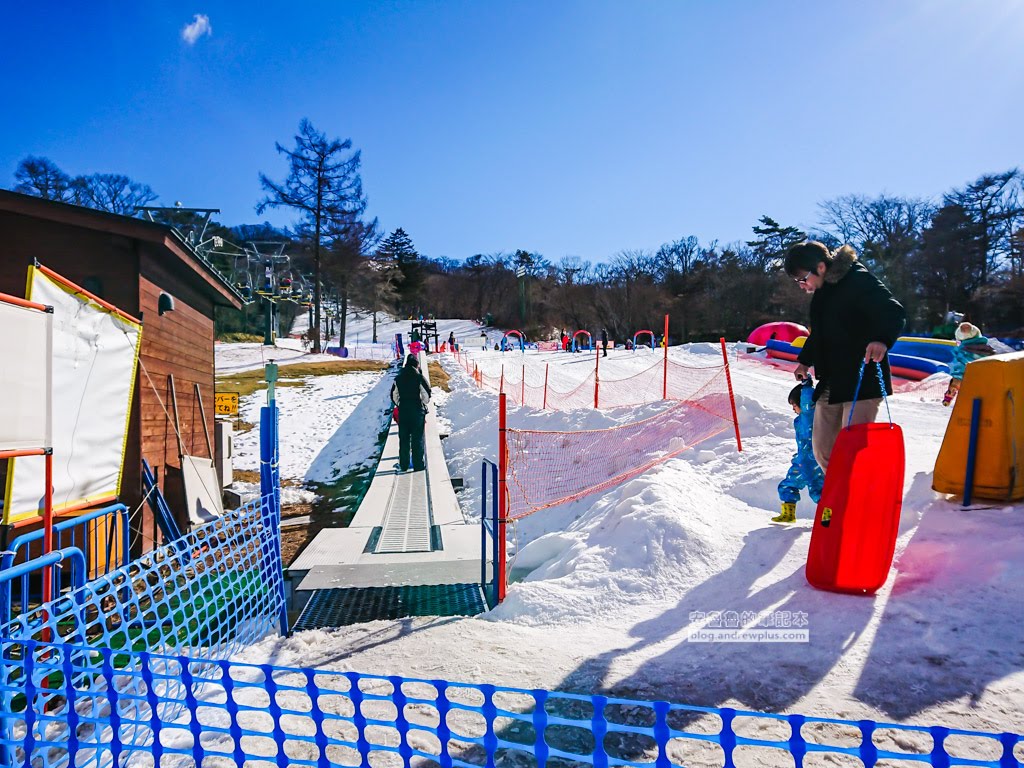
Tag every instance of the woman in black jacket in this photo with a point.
(854, 318)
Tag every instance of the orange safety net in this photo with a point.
(550, 468)
(524, 385)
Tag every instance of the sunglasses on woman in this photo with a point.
(803, 279)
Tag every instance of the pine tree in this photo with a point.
(397, 248)
(772, 242)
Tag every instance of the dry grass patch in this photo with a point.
(439, 377)
(247, 382)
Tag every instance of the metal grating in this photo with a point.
(329, 608)
(407, 522)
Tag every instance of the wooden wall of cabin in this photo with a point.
(179, 343)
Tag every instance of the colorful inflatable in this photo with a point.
(778, 331)
(912, 367)
(932, 349)
(905, 366)
(782, 350)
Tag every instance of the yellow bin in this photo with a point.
(999, 463)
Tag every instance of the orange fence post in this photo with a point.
(732, 397)
(546, 384)
(502, 497)
(664, 380)
(597, 367)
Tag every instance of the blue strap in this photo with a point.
(881, 386)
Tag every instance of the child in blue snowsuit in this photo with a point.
(804, 469)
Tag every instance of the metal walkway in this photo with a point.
(407, 522)
(409, 532)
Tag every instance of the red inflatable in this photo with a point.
(778, 331)
(858, 517)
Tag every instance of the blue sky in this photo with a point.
(567, 128)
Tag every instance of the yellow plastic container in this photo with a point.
(999, 462)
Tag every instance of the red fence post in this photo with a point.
(502, 497)
(501, 383)
(546, 385)
(47, 532)
(732, 397)
(597, 378)
(664, 380)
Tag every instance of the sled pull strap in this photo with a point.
(856, 392)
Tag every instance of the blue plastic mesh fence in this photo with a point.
(101, 707)
(210, 593)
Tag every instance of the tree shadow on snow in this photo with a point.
(768, 676)
(951, 625)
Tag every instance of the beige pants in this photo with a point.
(829, 419)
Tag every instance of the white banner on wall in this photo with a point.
(95, 355)
(24, 378)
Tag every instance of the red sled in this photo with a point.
(858, 517)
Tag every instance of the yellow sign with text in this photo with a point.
(225, 403)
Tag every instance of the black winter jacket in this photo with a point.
(852, 309)
(410, 393)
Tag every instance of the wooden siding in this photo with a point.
(77, 254)
(179, 343)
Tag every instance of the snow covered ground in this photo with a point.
(606, 588)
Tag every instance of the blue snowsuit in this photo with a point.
(804, 469)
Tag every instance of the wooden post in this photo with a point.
(732, 398)
(664, 380)
(597, 368)
(502, 497)
(546, 385)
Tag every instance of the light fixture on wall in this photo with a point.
(165, 303)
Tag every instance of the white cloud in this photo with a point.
(200, 26)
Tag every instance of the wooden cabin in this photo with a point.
(131, 263)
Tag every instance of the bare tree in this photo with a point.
(112, 192)
(40, 177)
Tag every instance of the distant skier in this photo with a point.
(451, 341)
(483, 341)
(803, 470)
(604, 342)
(971, 346)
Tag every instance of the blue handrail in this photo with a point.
(24, 570)
(78, 536)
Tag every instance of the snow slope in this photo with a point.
(605, 586)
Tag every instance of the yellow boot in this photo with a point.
(788, 514)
